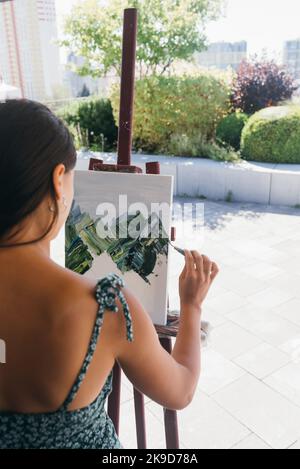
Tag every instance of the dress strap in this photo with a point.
(107, 291)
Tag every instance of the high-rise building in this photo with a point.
(222, 55)
(291, 57)
(29, 58)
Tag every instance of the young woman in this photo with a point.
(63, 332)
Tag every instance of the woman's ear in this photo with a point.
(58, 180)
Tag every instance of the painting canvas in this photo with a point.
(120, 223)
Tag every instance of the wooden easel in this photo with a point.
(165, 333)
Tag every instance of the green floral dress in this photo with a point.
(88, 427)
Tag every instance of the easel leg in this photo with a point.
(114, 398)
(170, 416)
(140, 420)
(171, 429)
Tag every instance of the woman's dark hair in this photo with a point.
(33, 141)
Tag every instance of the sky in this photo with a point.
(264, 24)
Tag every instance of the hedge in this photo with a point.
(273, 135)
(168, 106)
(230, 129)
(92, 123)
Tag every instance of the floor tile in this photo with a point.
(126, 394)
(287, 382)
(252, 442)
(226, 303)
(205, 425)
(265, 412)
(290, 246)
(290, 310)
(285, 282)
(262, 270)
(270, 298)
(259, 251)
(268, 326)
(262, 360)
(295, 445)
(215, 319)
(292, 348)
(242, 284)
(217, 372)
(290, 264)
(231, 340)
(155, 428)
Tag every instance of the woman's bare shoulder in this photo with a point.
(66, 292)
(74, 297)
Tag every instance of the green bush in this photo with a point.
(168, 106)
(182, 145)
(229, 129)
(92, 123)
(273, 135)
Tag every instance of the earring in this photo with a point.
(65, 202)
(52, 209)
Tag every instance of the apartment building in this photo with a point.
(29, 56)
(222, 55)
(291, 57)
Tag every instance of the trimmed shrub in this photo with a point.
(229, 129)
(261, 84)
(92, 123)
(167, 106)
(182, 145)
(273, 135)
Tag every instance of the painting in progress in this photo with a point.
(120, 223)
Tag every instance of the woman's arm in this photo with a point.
(170, 380)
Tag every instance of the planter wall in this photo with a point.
(244, 182)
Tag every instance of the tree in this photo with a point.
(168, 30)
(261, 84)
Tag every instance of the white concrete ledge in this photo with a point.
(243, 182)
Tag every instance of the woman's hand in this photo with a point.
(195, 280)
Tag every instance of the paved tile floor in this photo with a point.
(248, 396)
